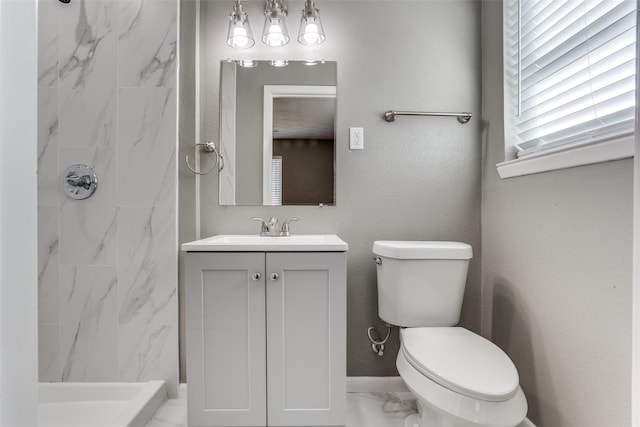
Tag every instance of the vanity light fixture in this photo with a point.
(239, 35)
(311, 32)
(275, 30)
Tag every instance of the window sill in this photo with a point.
(617, 149)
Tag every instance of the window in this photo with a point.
(569, 71)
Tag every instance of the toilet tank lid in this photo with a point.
(413, 249)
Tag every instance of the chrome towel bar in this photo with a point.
(390, 116)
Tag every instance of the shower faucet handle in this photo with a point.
(79, 181)
(83, 181)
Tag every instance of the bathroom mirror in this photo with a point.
(277, 132)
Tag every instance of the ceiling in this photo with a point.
(304, 118)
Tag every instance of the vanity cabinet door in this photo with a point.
(225, 321)
(306, 330)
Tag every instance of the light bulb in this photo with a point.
(311, 34)
(240, 39)
(275, 37)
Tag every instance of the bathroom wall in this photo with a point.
(18, 218)
(556, 271)
(108, 265)
(417, 178)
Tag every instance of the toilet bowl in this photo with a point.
(459, 378)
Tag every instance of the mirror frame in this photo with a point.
(284, 91)
(227, 132)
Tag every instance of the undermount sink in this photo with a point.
(253, 243)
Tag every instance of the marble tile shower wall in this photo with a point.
(108, 265)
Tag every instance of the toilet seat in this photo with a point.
(461, 361)
(459, 409)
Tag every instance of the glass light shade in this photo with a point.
(239, 35)
(311, 30)
(275, 30)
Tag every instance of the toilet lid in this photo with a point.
(461, 361)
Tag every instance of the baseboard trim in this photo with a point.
(375, 385)
(390, 385)
(182, 391)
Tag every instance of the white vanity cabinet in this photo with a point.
(266, 338)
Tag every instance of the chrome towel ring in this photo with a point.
(207, 147)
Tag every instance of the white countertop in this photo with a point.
(255, 243)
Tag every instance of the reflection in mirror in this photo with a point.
(298, 145)
(277, 134)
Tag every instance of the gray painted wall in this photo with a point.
(556, 271)
(417, 178)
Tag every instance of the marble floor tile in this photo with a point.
(173, 413)
(379, 409)
(363, 410)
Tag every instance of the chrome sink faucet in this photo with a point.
(270, 228)
(267, 228)
(285, 226)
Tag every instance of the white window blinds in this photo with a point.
(276, 180)
(569, 72)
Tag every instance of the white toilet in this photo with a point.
(460, 379)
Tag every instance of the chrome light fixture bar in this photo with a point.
(311, 31)
(275, 30)
(239, 35)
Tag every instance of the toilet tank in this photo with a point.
(421, 283)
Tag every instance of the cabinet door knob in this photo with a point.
(275, 276)
(256, 276)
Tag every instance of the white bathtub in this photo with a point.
(99, 404)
